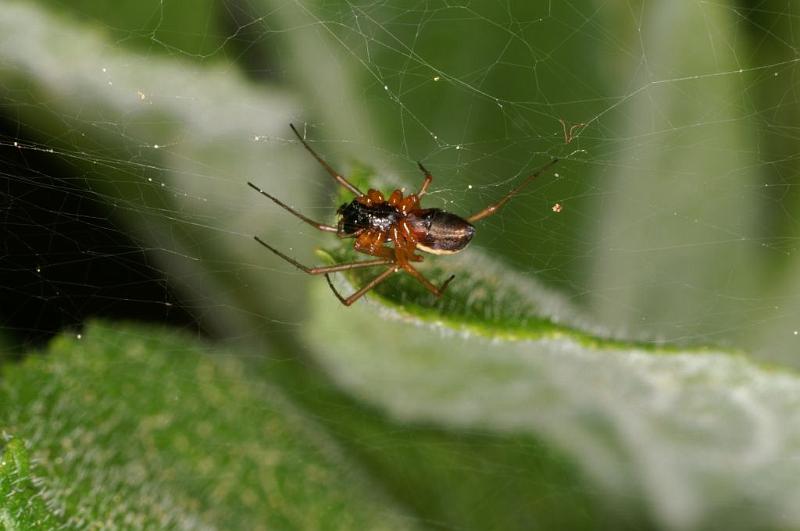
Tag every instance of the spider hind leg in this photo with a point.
(364, 289)
(427, 283)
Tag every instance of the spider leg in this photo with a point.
(341, 180)
(368, 286)
(320, 226)
(427, 182)
(325, 269)
(427, 283)
(491, 209)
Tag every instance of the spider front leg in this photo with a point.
(324, 270)
(333, 173)
(316, 225)
(493, 208)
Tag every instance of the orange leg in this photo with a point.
(404, 247)
(320, 226)
(372, 197)
(324, 270)
(368, 286)
(427, 182)
(395, 198)
(427, 283)
(409, 203)
(333, 173)
(493, 208)
(372, 242)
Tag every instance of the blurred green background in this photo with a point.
(128, 132)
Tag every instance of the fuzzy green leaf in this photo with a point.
(21, 503)
(134, 427)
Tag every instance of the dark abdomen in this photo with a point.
(440, 232)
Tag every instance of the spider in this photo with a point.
(375, 221)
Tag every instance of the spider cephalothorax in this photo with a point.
(374, 222)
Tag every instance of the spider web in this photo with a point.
(671, 215)
(676, 188)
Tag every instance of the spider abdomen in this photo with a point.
(355, 216)
(439, 232)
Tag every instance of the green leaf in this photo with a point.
(679, 252)
(21, 503)
(129, 426)
(684, 434)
